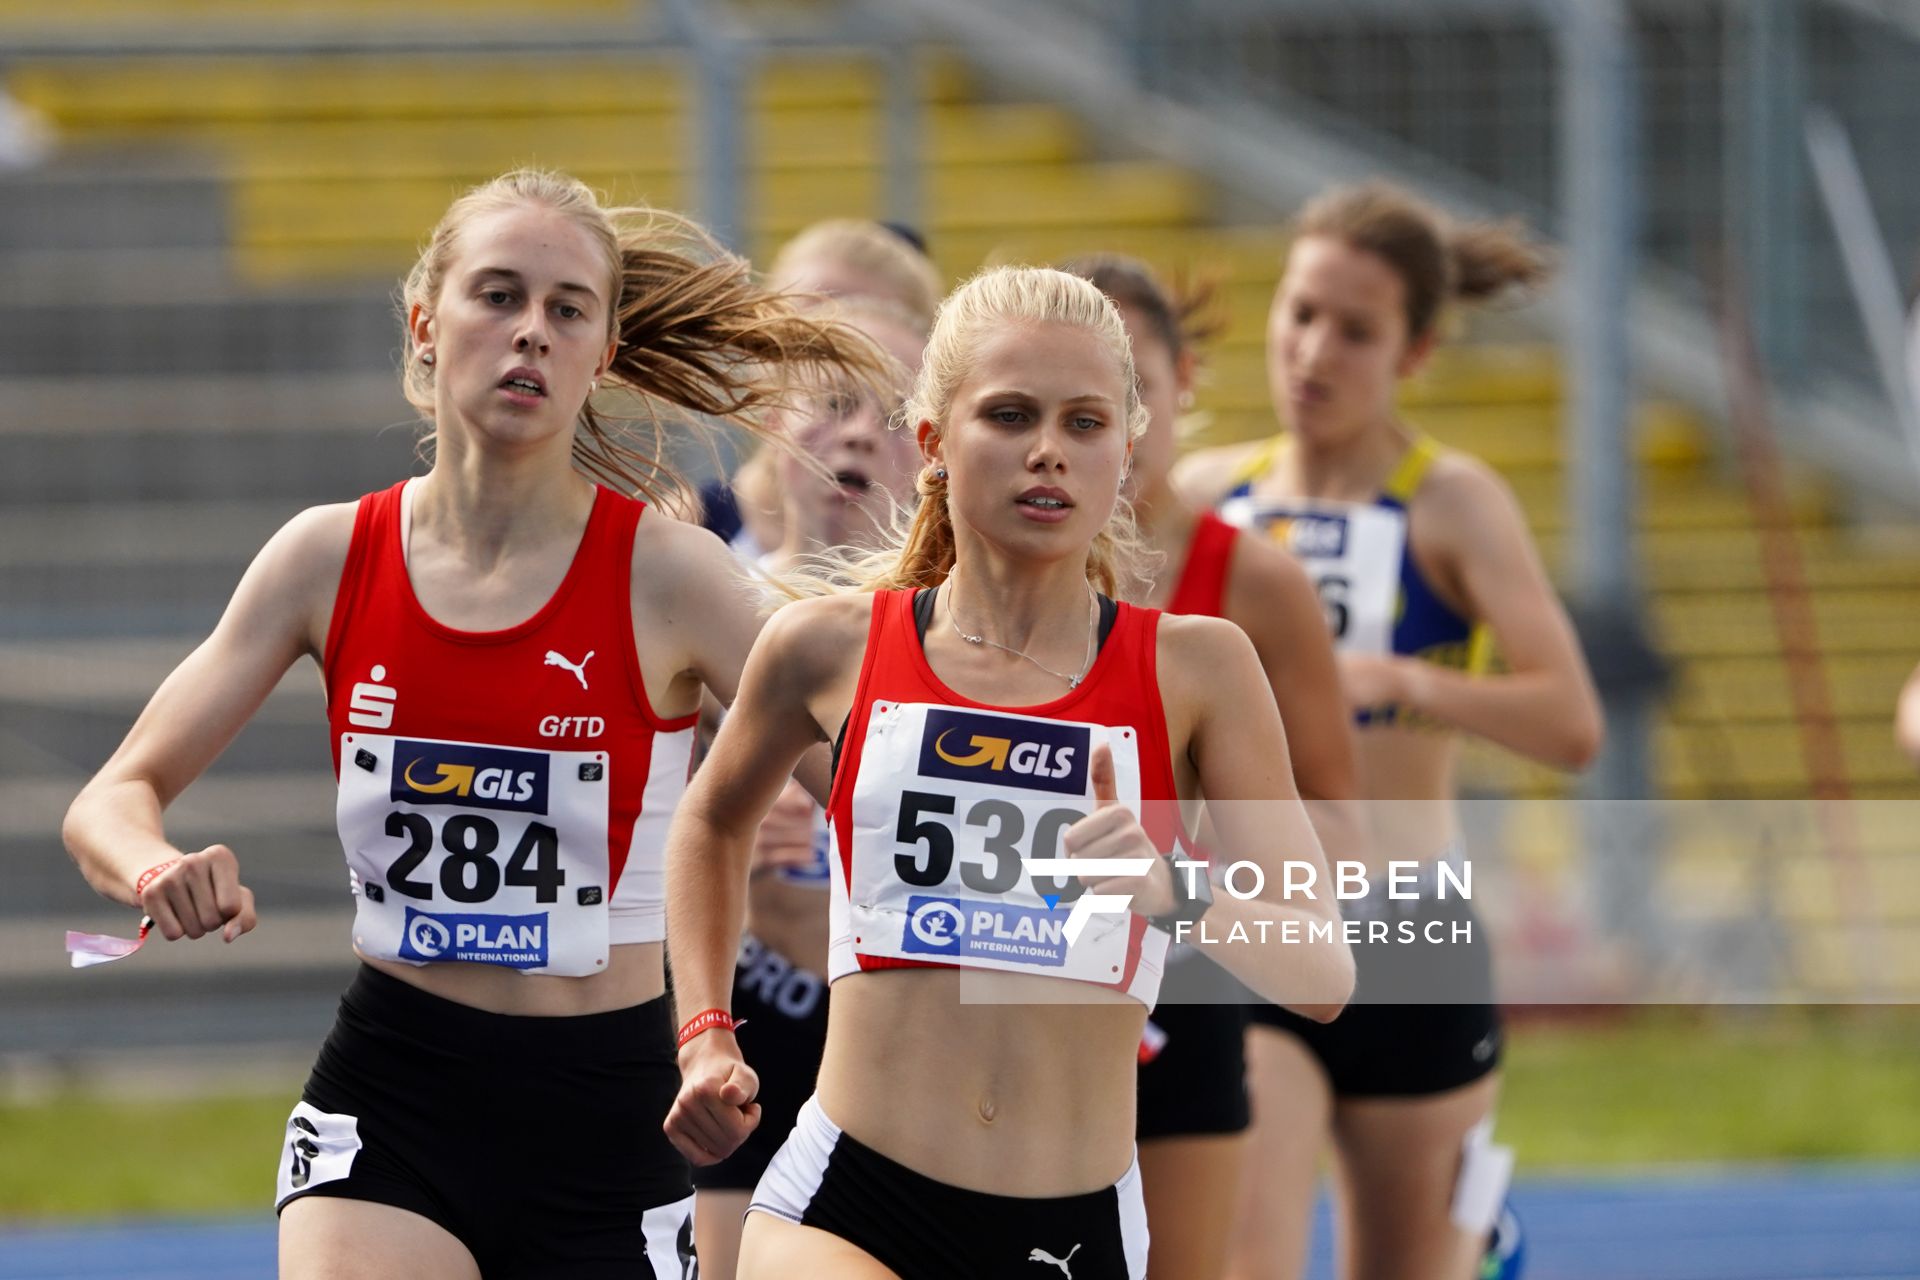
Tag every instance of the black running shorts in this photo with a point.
(927, 1230)
(534, 1141)
(1446, 1035)
(1193, 1068)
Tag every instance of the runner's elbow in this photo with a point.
(1585, 736)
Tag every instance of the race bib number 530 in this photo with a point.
(949, 806)
(470, 852)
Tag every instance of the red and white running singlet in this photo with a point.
(1202, 586)
(938, 800)
(504, 795)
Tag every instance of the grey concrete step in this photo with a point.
(300, 469)
(85, 570)
(172, 404)
(144, 535)
(127, 569)
(39, 737)
(288, 872)
(220, 808)
(231, 332)
(111, 199)
(81, 1012)
(154, 613)
(288, 940)
(40, 277)
(116, 677)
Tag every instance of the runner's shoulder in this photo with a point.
(1208, 475)
(1195, 647)
(678, 564)
(1262, 568)
(820, 635)
(312, 547)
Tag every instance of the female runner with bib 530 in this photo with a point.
(1418, 552)
(862, 469)
(1194, 1112)
(990, 703)
(513, 655)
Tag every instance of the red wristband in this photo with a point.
(151, 874)
(707, 1020)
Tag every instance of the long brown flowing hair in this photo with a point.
(697, 333)
(1438, 259)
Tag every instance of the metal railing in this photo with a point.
(1470, 92)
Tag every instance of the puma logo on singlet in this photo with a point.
(1041, 1255)
(579, 668)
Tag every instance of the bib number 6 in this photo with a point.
(1005, 824)
(1333, 591)
(469, 873)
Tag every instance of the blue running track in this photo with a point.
(1849, 1222)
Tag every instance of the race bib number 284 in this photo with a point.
(472, 852)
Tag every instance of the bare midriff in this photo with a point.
(635, 974)
(962, 1086)
(1407, 780)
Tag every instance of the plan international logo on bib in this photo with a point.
(967, 928)
(519, 942)
(473, 777)
(1037, 755)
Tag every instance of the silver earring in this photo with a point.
(939, 473)
(426, 357)
(593, 386)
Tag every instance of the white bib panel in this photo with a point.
(948, 804)
(464, 851)
(1351, 550)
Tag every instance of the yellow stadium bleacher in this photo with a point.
(19, 17)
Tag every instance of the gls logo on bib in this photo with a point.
(968, 746)
(1318, 537)
(473, 776)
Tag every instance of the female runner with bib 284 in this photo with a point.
(513, 655)
(1417, 552)
(990, 703)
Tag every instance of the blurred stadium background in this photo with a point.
(204, 206)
